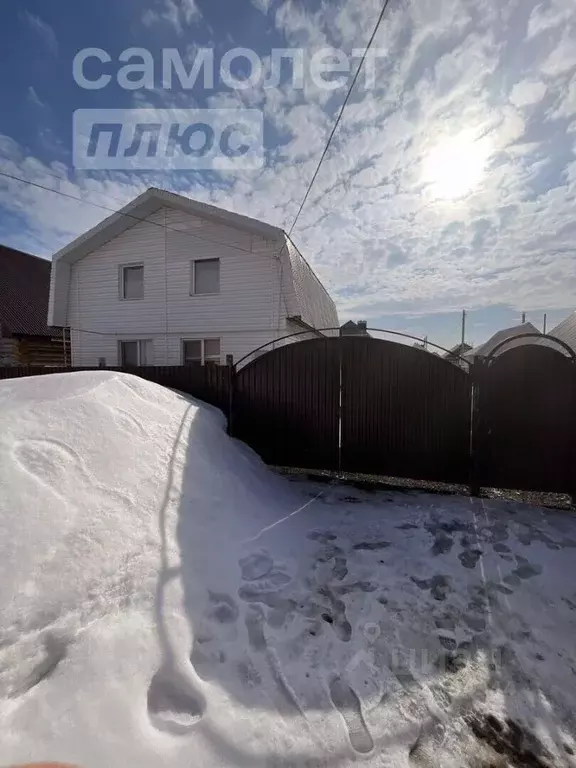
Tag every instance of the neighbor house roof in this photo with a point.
(354, 329)
(565, 331)
(24, 288)
(458, 350)
(506, 333)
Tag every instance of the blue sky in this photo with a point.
(451, 183)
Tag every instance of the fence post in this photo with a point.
(341, 403)
(231, 376)
(572, 458)
(476, 426)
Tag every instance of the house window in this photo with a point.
(201, 351)
(135, 353)
(132, 282)
(205, 276)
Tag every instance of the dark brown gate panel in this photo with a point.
(527, 420)
(405, 412)
(285, 405)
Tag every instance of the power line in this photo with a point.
(162, 226)
(90, 191)
(277, 253)
(119, 213)
(339, 118)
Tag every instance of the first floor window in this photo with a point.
(201, 351)
(135, 353)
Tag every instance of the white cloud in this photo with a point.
(548, 16)
(54, 219)
(33, 97)
(527, 92)
(44, 30)
(301, 27)
(178, 13)
(377, 237)
(263, 5)
(10, 149)
(562, 59)
(566, 106)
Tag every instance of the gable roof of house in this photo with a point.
(145, 205)
(565, 331)
(506, 333)
(306, 298)
(24, 289)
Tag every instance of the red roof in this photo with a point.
(24, 291)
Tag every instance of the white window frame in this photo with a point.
(121, 270)
(193, 280)
(203, 349)
(141, 350)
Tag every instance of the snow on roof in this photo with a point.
(485, 349)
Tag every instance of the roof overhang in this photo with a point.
(144, 206)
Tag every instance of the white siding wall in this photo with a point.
(59, 280)
(248, 311)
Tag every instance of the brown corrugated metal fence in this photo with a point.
(405, 412)
(362, 405)
(526, 420)
(286, 405)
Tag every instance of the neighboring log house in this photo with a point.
(25, 338)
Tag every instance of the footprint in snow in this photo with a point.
(218, 627)
(347, 703)
(55, 650)
(174, 705)
(256, 566)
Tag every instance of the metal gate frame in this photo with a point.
(242, 399)
(475, 370)
(320, 332)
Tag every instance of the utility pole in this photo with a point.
(463, 326)
(545, 322)
(523, 317)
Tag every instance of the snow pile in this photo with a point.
(166, 600)
(91, 473)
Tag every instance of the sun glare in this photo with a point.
(456, 166)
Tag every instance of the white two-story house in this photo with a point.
(171, 281)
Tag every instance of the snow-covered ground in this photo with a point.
(166, 600)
